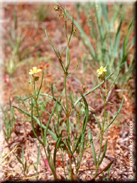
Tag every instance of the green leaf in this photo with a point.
(115, 115)
(62, 52)
(92, 89)
(77, 143)
(71, 97)
(105, 11)
(69, 149)
(56, 52)
(52, 44)
(15, 16)
(104, 152)
(32, 124)
(83, 35)
(37, 120)
(53, 169)
(46, 130)
(86, 113)
(56, 65)
(38, 156)
(22, 155)
(99, 125)
(73, 69)
(35, 167)
(55, 150)
(92, 146)
(19, 160)
(25, 166)
(109, 171)
(117, 39)
(43, 94)
(115, 16)
(84, 123)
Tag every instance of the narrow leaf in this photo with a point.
(38, 156)
(55, 150)
(92, 146)
(22, 155)
(92, 90)
(105, 11)
(19, 160)
(104, 152)
(115, 115)
(37, 120)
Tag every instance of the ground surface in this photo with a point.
(37, 48)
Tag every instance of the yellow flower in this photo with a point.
(34, 70)
(101, 72)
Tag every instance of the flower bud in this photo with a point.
(74, 30)
(56, 8)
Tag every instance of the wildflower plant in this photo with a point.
(69, 139)
(111, 48)
(9, 121)
(15, 39)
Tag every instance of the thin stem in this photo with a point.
(39, 120)
(102, 130)
(35, 98)
(47, 157)
(67, 114)
(70, 165)
(99, 152)
(105, 101)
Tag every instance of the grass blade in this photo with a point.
(22, 155)
(83, 35)
(117, 39)
(105, 11)
(38, 156)
(37, 120)
(55, 150)
(46, 130)
(115, 115)
(92, 146)
(104, 152)
(92, 90)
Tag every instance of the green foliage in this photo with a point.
(15, 39)
(23, 163)
(8, 118)
(36, 166)
(70, 139)
(105, 32)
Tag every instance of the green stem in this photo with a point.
(102, 130)
(47, 157)
(39, 119)
(34, 84)
(66, 93)
(67, 114)
(99, 152)
(35, 98)
(70, 165)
